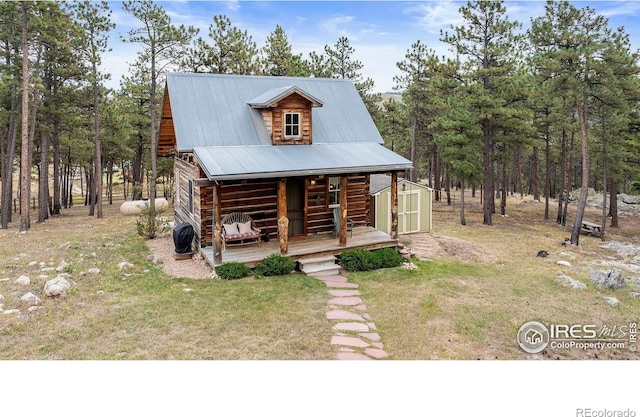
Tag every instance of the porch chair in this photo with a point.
(336, 223)
(239, 229)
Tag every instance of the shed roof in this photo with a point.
(271, 97)
(380, 182)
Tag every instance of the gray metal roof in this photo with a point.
(272, 96)
(380, 182)
(230, 162)
(213, 119)
(213, 110)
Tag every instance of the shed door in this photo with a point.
(408, 211)
(295, 206)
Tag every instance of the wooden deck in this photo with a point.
(305, 247)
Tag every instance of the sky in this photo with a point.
(380, 32)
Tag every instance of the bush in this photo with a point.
(233, 270)
(275, 264)
(364, 260)
(358, 260)
(150, 226)
(388, 257)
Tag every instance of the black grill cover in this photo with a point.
(182, 237)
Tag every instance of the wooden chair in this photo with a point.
(239, 229)
(336, 223)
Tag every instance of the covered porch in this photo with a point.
(304, 247)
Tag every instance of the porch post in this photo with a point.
(394, 205)
(217, 226)
(283, 221)
(343, 212)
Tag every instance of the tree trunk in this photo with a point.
(97, 157)
(503, 192)
(563, 169)
(43, 178)
(613, 203)
(7, 165)
(487, 171)
(535, 183)
(581, 104)
(463, 221)
(56, 168)
(414, 148)
(547, 181)
(25, 167)
(437, 181)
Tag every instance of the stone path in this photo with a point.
(354, 331)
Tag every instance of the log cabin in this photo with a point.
(285, 151)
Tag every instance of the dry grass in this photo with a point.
(147, 315)
(483, 282)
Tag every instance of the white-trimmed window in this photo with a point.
(292, 125)
(334, 190)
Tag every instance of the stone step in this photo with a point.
(321, 266)
(321, 270)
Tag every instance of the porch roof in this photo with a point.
(266, 161)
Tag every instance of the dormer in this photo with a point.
(287, 114)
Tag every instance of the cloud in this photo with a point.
(627, 8)
(233, 5)
(337, 25)
(434, 16)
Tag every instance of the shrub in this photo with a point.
(275, 264)
(233, 270)
(150, 226)
(358, 260)
(388, 257)
(364, 260)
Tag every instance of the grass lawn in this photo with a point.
(447, 309)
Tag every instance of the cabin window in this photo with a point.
(190, 204)
(292, 125)
(334, 190)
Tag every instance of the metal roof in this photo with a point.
(380, 182)
(235, 162)
(213, 110)
(271, 97)
(213, 118)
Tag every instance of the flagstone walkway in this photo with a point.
(354, 331)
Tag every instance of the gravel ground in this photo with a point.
(195, 267)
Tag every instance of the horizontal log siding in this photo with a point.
(292, 104)
(185, 171)
(358, 199)
(257, 198)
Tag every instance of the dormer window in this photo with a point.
(292, 125)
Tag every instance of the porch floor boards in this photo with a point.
(304, 247)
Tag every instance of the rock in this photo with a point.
(409, 265)
(564, 263)
(61, 267)
(155, 259)
(30, 299)
(634, 294)
(124, 265)
(542, 254)
(33, 309)
(93, 271)
(629, 199)
(634, 280)
(608, 279)
(575, 284)
(613, 301)
(187, 290)
(11, 311)
(56, 287)
(33, 263)
(23, 280)
(1, 297)
(100, 292)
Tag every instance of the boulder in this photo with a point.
(30, 299)
(564, 263)
(573, 283)
(613, 301)
(61, 267)
(93, 271)
(155, 259)
(56, 287)
(23, 280)
(608, 279)
(124, 265)
(542, 254)
(629, 199)
(634, 294)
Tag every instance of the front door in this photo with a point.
(295, 206)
